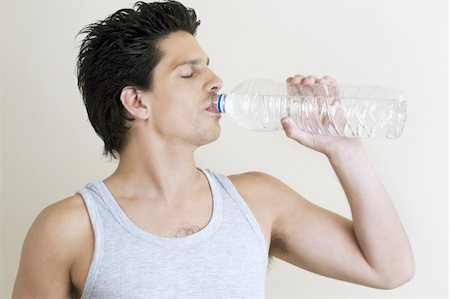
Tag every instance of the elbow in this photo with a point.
(398, 275)
(400, 279)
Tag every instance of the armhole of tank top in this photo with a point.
(245, 209)
(98, 243)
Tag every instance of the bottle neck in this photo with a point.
(220, 103)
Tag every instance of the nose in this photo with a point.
(215, 83)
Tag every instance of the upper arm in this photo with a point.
(311, 237)
(44, 270)
(320, 241)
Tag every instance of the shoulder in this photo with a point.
(264, 191)
(64, 215)
(252, 179)
(58, 226)
(258, 184)
(52, 245)
(269, 193)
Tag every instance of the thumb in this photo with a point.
(294, 132)
(289, 127)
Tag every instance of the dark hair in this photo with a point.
(122, 50)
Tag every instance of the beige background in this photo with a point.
(48, 149)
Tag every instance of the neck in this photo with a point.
(156, 171)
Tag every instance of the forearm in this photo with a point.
(377, 227)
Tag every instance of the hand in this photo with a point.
(324, 143)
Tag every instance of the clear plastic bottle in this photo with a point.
(339, 110)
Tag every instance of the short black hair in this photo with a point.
(123, 50)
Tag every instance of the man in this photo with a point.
(159, 227)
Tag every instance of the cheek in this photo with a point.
(175, 116)
(176, 104)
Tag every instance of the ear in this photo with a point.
(131, 99)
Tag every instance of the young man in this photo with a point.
(159, 227)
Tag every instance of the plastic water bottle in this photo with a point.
(339, 110)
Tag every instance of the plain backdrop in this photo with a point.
(49, 150)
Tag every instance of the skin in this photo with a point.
(160, 189)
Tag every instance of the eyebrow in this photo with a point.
(191, 62)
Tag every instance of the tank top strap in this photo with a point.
(232, 192)
(91, 200)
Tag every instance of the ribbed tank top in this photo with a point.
(226, 259)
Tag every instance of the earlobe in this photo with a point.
(131, 99)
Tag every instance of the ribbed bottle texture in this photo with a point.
(339, 110)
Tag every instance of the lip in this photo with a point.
(212, 109)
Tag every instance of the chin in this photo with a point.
(210, 136)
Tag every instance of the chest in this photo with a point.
(208, 270)
(174, 222)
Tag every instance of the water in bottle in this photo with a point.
(339, 110)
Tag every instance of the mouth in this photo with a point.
(212, 107)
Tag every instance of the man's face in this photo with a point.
(182, 93)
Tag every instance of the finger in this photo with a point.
(290, 128)
(294, 84)
(335, 91)
(309, 80)
(306, 87)
(331, 86)
(327, 80)
(297, 79)
(293, 132)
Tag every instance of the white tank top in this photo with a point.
(228, 258)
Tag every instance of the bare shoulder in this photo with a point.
(50, 248)
(65, 220)
(261, 187)
(268, 193)
(253, 180)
